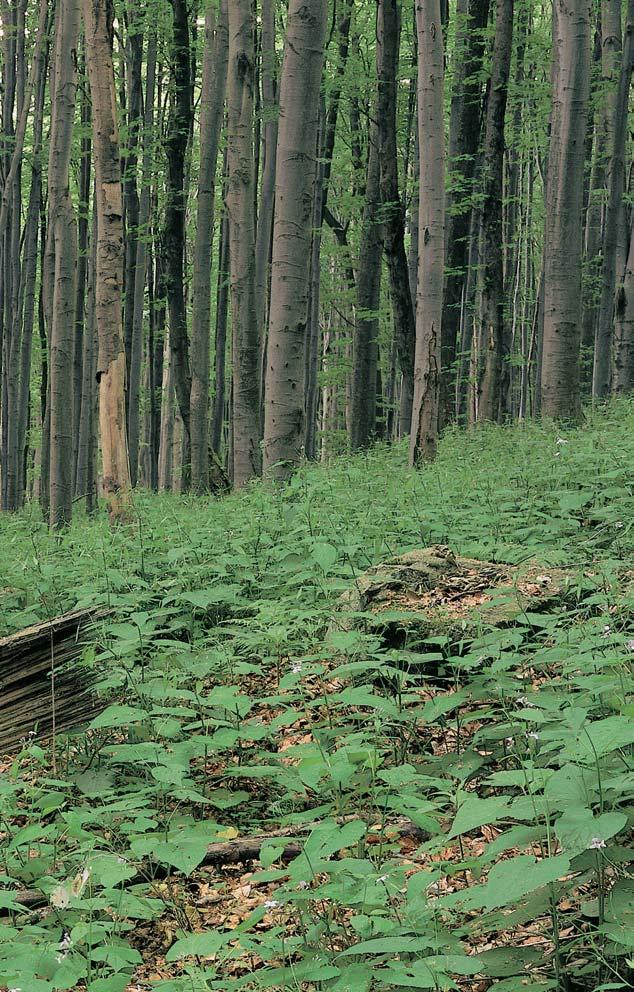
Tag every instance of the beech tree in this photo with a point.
(241, 213)
(61, 257)
(294, 182)
(563, 226)
(98, 23)
(212, 100)
(431, 232)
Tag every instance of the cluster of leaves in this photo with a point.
(239, 709)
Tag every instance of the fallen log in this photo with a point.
(231, 852)
(42, 691)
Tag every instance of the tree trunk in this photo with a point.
(267, 192)
(133, 14)
(241, 212)
(609, 48)
(616, 188)
(85, 469)
(294, 190)
(62, 250)
(82, 264)
(431, 226)
(464, 135)
(212, 100)
(387, 57)
(366, 325)
(564, 204)
(222, 307)
(490, 294)
(140, 269)
(176, 144)
(21, 329)
(109, 261)
(623, 351)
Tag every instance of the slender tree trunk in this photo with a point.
(176, 145)
(490, 296)
(222, 308)
(19, 357)
(240, 209)
(311, 353)
(109, 260)
(267, 193)
(85, 469)
(294, 190)
(82, 264)
(133, 14)
(140, 268)
(165, 461)
(366, 325)
(623, 351)
(387, 57)
(156, 347)
(212, 101)
(563, 229)
(464, 136)
(62, 237)
(616, 188)
(609, 48)
(431, 226)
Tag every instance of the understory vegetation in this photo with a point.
(445, 813)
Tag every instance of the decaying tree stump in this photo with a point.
(41, 689)
(432, 592)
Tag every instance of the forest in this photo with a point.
(316, 495)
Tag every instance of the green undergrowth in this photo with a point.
(237, 708)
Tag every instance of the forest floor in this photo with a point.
(276, 796)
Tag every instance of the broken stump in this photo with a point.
(432, 592)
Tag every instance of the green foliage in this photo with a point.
(514, 763)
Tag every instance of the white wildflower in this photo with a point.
(508, 740)
(619, 525)
(271, 904)
(297, 668)
(630, 644)
(596, 844)
(533, 736)
(560, 441)
(303, 884)
(607, 630)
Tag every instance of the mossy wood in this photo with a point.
(432, 592)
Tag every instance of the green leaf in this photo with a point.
(387, 945)
(474, 812)
(325, 555)
(118, 715)
(197, 945)
(576, 828)
(510, 880)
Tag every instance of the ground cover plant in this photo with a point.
(275, 799)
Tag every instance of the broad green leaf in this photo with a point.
(119, 715)
(198, 945)
(474, 812)
(510, 880)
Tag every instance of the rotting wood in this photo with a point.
(239, 850)
(41, 689)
